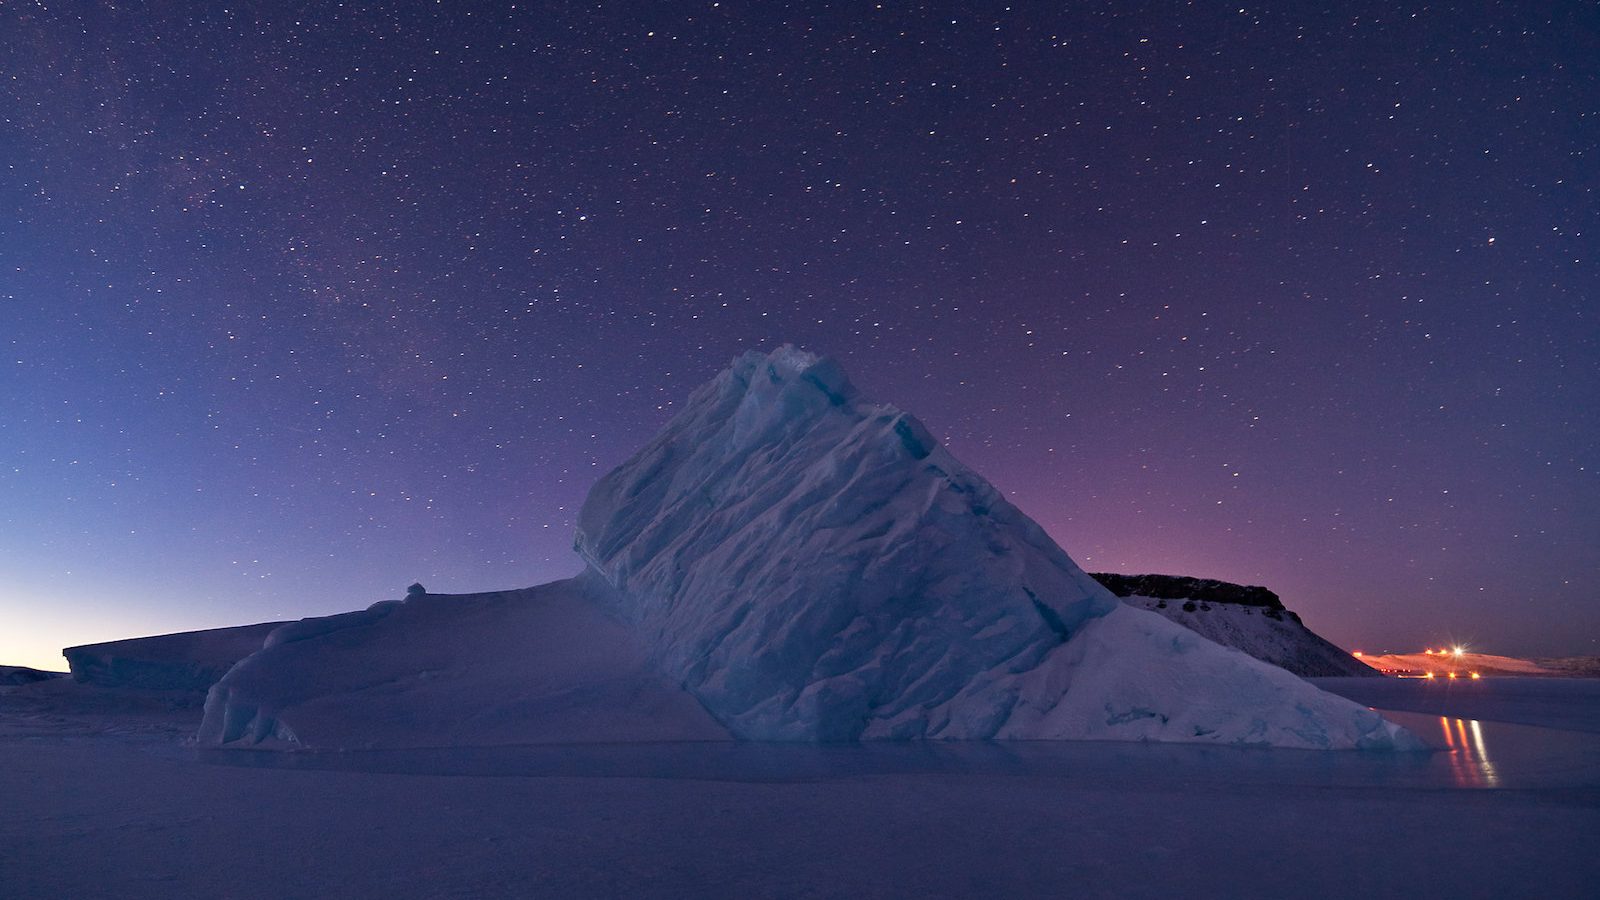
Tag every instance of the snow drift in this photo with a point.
(816, 567)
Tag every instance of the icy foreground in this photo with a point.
(88, 818)
(812, 566)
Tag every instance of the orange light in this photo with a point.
(1429, 675)
(1476, 676)
(1429, 652)
(1356, 654)
(1458, 651)
(1452, 674)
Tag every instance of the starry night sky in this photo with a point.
(301, 302)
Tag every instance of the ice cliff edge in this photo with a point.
(813, 566)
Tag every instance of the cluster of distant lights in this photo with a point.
(1455, 652)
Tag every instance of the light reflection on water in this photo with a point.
(1467, 753)
(1473, 753)
(1522, 757)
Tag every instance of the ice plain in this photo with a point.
(105, 803)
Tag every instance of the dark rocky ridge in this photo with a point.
(1182, 587)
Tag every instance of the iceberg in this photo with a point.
(784, 561)
(814, 566)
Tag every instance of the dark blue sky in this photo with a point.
(301, 303)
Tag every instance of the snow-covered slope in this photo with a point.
(1247, 618)
(539, 665)
(816, 567)
(186, 661)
